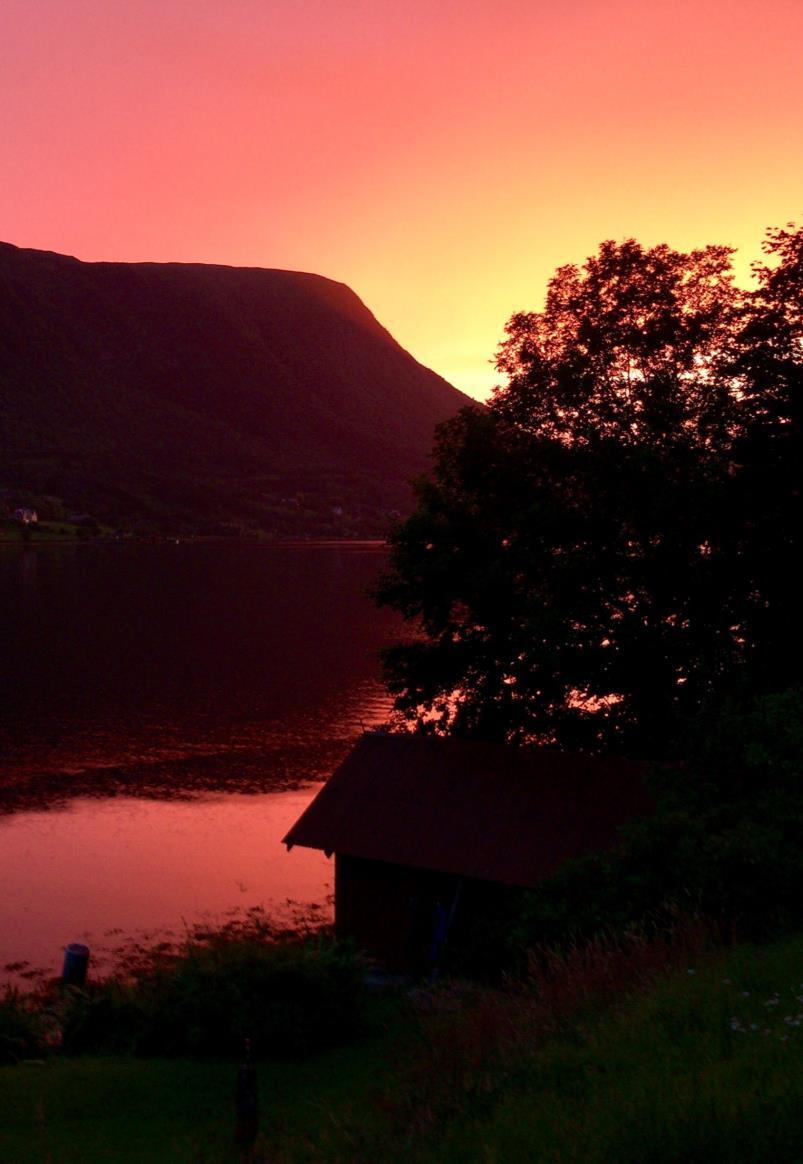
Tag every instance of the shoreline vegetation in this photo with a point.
(662, 1048)
(643, 1004)
(61, 533)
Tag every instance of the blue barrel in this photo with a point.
(76, 960)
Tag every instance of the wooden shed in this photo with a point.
(426, 829)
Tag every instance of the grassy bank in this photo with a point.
(98, 1110)
(705, 1066)
(604, 1055)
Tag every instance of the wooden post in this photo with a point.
(247, 1102)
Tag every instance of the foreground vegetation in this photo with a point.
(289, 992)
(634, 1035)
(641, 1051)
(609, 547)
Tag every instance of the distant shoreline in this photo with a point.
(189, 540)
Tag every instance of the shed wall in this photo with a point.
(391, 911)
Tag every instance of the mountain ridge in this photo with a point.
(184, 395)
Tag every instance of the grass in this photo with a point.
(706, 1066)
(634, 1054)
(122, 1110)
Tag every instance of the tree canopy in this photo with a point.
(609, 545)
(633, 347)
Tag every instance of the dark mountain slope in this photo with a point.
(186, 396)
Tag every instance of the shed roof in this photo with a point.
(490, 811)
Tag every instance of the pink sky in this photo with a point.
(440, 157)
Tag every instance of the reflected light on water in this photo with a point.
(165, 713)
(136, 865)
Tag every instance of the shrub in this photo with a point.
(22, 1027)
(108, 1016)
(726, 841)
(740, 865)
(288, 997)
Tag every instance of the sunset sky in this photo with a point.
(441, 157)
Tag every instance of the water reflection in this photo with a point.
(169, 706)
(163, 763)
(172, 669)
(137, 867)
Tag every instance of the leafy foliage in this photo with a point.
(288, 1000)
(289, 994)
(608, 548)
(22, 1028)
(635, 347)
(726, 843)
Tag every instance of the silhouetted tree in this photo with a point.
(583, 561)
(634, 347)
(770, 457)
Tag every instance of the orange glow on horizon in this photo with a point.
(441, 157)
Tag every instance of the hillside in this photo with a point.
(183, 397)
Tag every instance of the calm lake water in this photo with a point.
(167, 711)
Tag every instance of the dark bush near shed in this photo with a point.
(288, 997)
(726, 842)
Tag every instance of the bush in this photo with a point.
(725, 843)
(288, 997)
(22, 1027)
(109, 1016)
